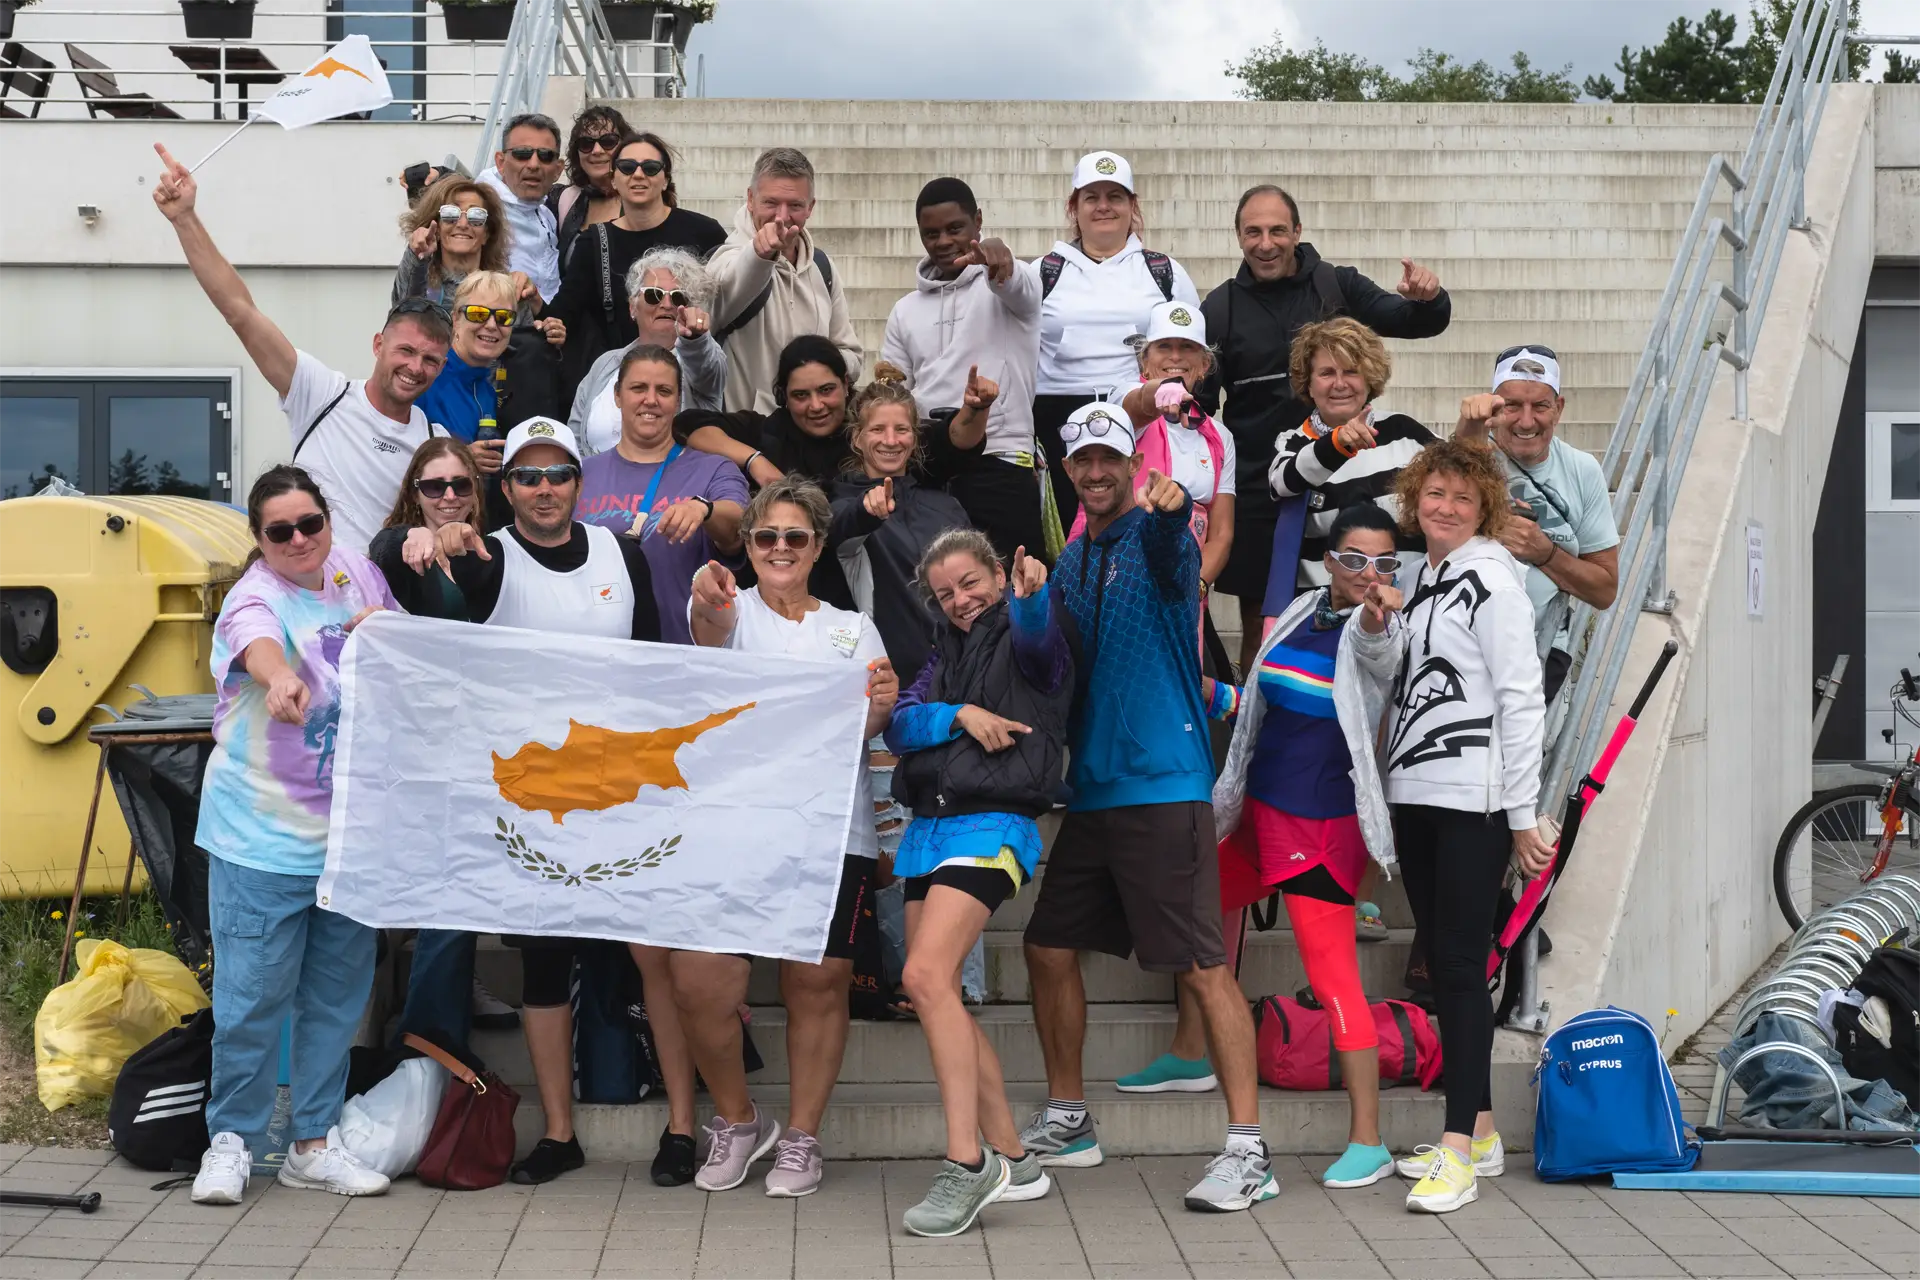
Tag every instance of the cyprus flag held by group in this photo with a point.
(498, 780)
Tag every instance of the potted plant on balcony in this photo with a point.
(477, 19)
(631, 21)
(218, 19)
(7, 9)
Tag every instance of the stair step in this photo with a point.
(1126, 116)
(905, 1122)
(1271, 964)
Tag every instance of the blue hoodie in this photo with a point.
(460, 396)
(1138, 734)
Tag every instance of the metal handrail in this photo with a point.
(1690, 337)
(532, 46)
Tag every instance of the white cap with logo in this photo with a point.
(1176, 320)
(1102, 166)
(1527, 364)
(540, 431)
(1098, 423)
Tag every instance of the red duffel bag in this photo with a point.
(1294, 1045)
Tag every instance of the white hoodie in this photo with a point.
(801, 303)
(1086, 321)
(1465, 728)
(945, 327)
(535, 246)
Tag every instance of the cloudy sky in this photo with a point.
(1151, 49)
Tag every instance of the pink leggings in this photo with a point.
(1324, 932)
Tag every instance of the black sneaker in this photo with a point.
(548, 1160)
(673, 1167)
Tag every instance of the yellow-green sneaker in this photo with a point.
(1449, 1183)
(1489, 1158)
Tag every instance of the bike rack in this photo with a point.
(1825, 954)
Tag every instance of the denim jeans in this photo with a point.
(275, 953)
(439, 985)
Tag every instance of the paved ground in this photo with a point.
(1124, 1219)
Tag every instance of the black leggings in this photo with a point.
(1453, 863)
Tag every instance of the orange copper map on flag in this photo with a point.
(598, 768)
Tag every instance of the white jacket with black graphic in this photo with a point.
(1466, 724)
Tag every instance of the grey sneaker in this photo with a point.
(1027, 1180)
(732, 1149)
(1235, 1180)
(1055, 1144)
(958, 1196)
(797, 1166)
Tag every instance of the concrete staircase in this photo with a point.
(886, 1105)
(1551, 224)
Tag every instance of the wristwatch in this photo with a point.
(709, 502)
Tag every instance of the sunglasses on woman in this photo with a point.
(1354, 562)
(475, 215)
(480, 315)
(434, 490)
(601, 142)
(547, 154)
(307, 526)
(557, 475)
(652, 168)
(653, 295)
(1097, 424)
(768, 539)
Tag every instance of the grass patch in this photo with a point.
(30, 935)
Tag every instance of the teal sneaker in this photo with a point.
(957, 1197)
(1055, 1144)
(1359, 1166)
(1027, 1180)
(1170, 1074)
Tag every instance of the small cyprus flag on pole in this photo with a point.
(348, 79)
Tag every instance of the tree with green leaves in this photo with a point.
(1695, 63)
(1768, 22)
(1901, 69)
(1275, 73)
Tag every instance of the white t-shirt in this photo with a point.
(827, 633)
(357, 455)
(1568, 494)
(600, 429)
(1192, 461)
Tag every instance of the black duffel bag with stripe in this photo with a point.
(158, 1116)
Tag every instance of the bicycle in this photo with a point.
(1849, 836)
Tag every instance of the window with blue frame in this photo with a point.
(406, 63)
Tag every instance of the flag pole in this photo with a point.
(222, 143)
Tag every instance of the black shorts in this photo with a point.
(1553, 672)
(1143, 880)
(1002, 499)
(1250, 558)
(989, 886)
(855, 901)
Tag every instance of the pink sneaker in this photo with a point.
(797, 1165)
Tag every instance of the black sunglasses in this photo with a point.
(652, 168)
(1533, 348)
(478, 314)
(417, 307)
(435, 490)
(768, 539)
(557, 475)
(653, 295)
(547, 154)
(307, 526)
(601, 142)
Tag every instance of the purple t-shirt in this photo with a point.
(610, 492)
(268, 786)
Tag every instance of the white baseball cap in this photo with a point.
(1102, 166)
(1527, 364)
(540, 431)
(1098, 423)
(1176, 320)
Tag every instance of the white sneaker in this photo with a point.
(488, 1011)
(225, 1168)
(332, 1168)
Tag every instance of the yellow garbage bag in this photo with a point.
(88, 1027)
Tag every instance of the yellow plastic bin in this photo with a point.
(96, 594)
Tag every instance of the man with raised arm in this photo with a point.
(354, 438)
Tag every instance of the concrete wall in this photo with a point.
(1668, 904)
(1896, 130)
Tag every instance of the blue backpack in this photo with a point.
(1606, 1101)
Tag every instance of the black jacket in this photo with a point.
(886, 553)
(957, 777)
(1252, 324)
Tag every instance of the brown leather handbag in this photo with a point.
(472, 1140)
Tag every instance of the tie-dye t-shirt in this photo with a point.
(269, 784)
